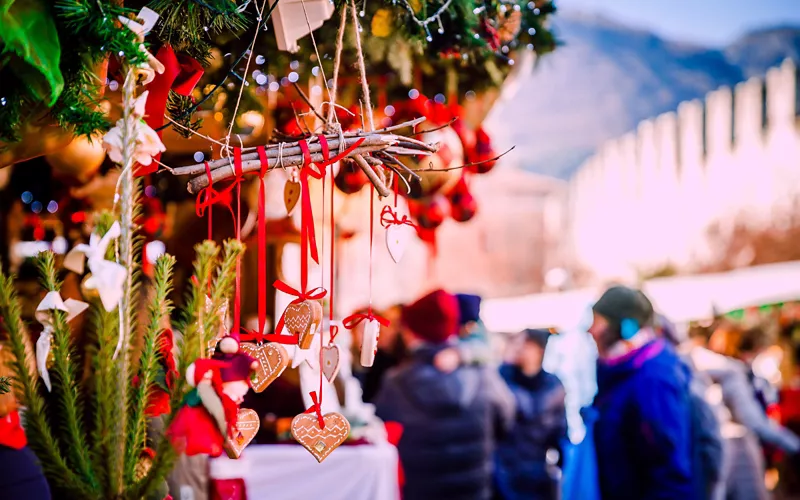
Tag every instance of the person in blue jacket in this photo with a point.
(526, 458)
(643, 432)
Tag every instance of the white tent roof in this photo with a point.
(680, 298)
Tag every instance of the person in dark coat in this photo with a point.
(526, 458)
(450, 419)
(643, 432)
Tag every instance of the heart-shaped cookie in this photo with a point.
(369, 342)
(320, 442)
(330, 361)
(272, 360)
(397, 237)
(303, 319)
(291, 195)
(247, 424)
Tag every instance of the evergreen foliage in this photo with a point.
(74, 430)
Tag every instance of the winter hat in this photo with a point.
(433, 318)
(537, 335)
(620, 305)
(469, 308)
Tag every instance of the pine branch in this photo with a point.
(159, 308)
(65, 381)
(26, 387)
(192, 344)
(5, 385)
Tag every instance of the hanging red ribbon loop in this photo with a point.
(389, 218)
(316, 408)
(353, 320)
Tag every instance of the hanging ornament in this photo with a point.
(398, 232)
(462, 204)
(320, 439)
(273, 360)
(350, 178)
(330, 361)
(431, 215)
(144, 464)
(482, 154)
(107, 276)
(303, 319)
(80, 159)
(247, 425)
(209, 412)
(369, 342)
(45, 315)
(291, 195)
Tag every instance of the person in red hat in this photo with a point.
(450, 419)
(209, 411)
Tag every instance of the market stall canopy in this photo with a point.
(681, 298)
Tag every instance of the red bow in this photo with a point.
(315, 294)
(181, 74)
(315, 408)
(351, 321)
(389, 218)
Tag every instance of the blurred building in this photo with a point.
(651, 199)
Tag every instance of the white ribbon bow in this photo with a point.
(107, 277)
(44, 315)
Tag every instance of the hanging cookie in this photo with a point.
(291, 195)
(330, 361)
(247, 425)
(369, 342)
(273, 360)
(320, 441)
(303, 319)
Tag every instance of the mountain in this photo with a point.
(608, 77)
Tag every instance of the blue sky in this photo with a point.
(707, 22)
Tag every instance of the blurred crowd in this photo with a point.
(688, 411)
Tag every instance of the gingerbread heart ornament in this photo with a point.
(320, 442)
(397, 237)
(291, 195)
(303, 319)
(272, 360)
(330, 361)
(247, 424)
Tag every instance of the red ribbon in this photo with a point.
(389, 218)
(353, 320)
(181, 74)
(316, 408)
(315, 294)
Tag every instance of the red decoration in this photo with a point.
(430, 215)
(462, 204)
(12, 434)
(350, 179)
(181, 74)
(482, 153)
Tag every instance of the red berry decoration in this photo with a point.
(432, 214)
(482, 153)
(350, 178)
(463, 205)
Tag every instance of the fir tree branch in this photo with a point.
(5, 385)
(193, 344)
(65, 381)
(159, 309)
(26, 387)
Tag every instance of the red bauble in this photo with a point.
(350, 178)
(463, 205)
(482, 153)
(430, 215)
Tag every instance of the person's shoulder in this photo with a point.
(552, 380)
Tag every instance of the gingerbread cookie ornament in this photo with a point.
(303, 319)
(247, 425)
(330, 361)
(273, 360)
(320, 442)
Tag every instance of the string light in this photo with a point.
(425, 22)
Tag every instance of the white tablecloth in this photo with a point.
(289, 472)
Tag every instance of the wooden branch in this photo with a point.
(383, 191)
(221, 174)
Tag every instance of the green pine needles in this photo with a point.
(5, 385)
(75, 430)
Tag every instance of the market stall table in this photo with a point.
(289, 472)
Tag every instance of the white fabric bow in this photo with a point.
(44, 315)
(107, 277)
